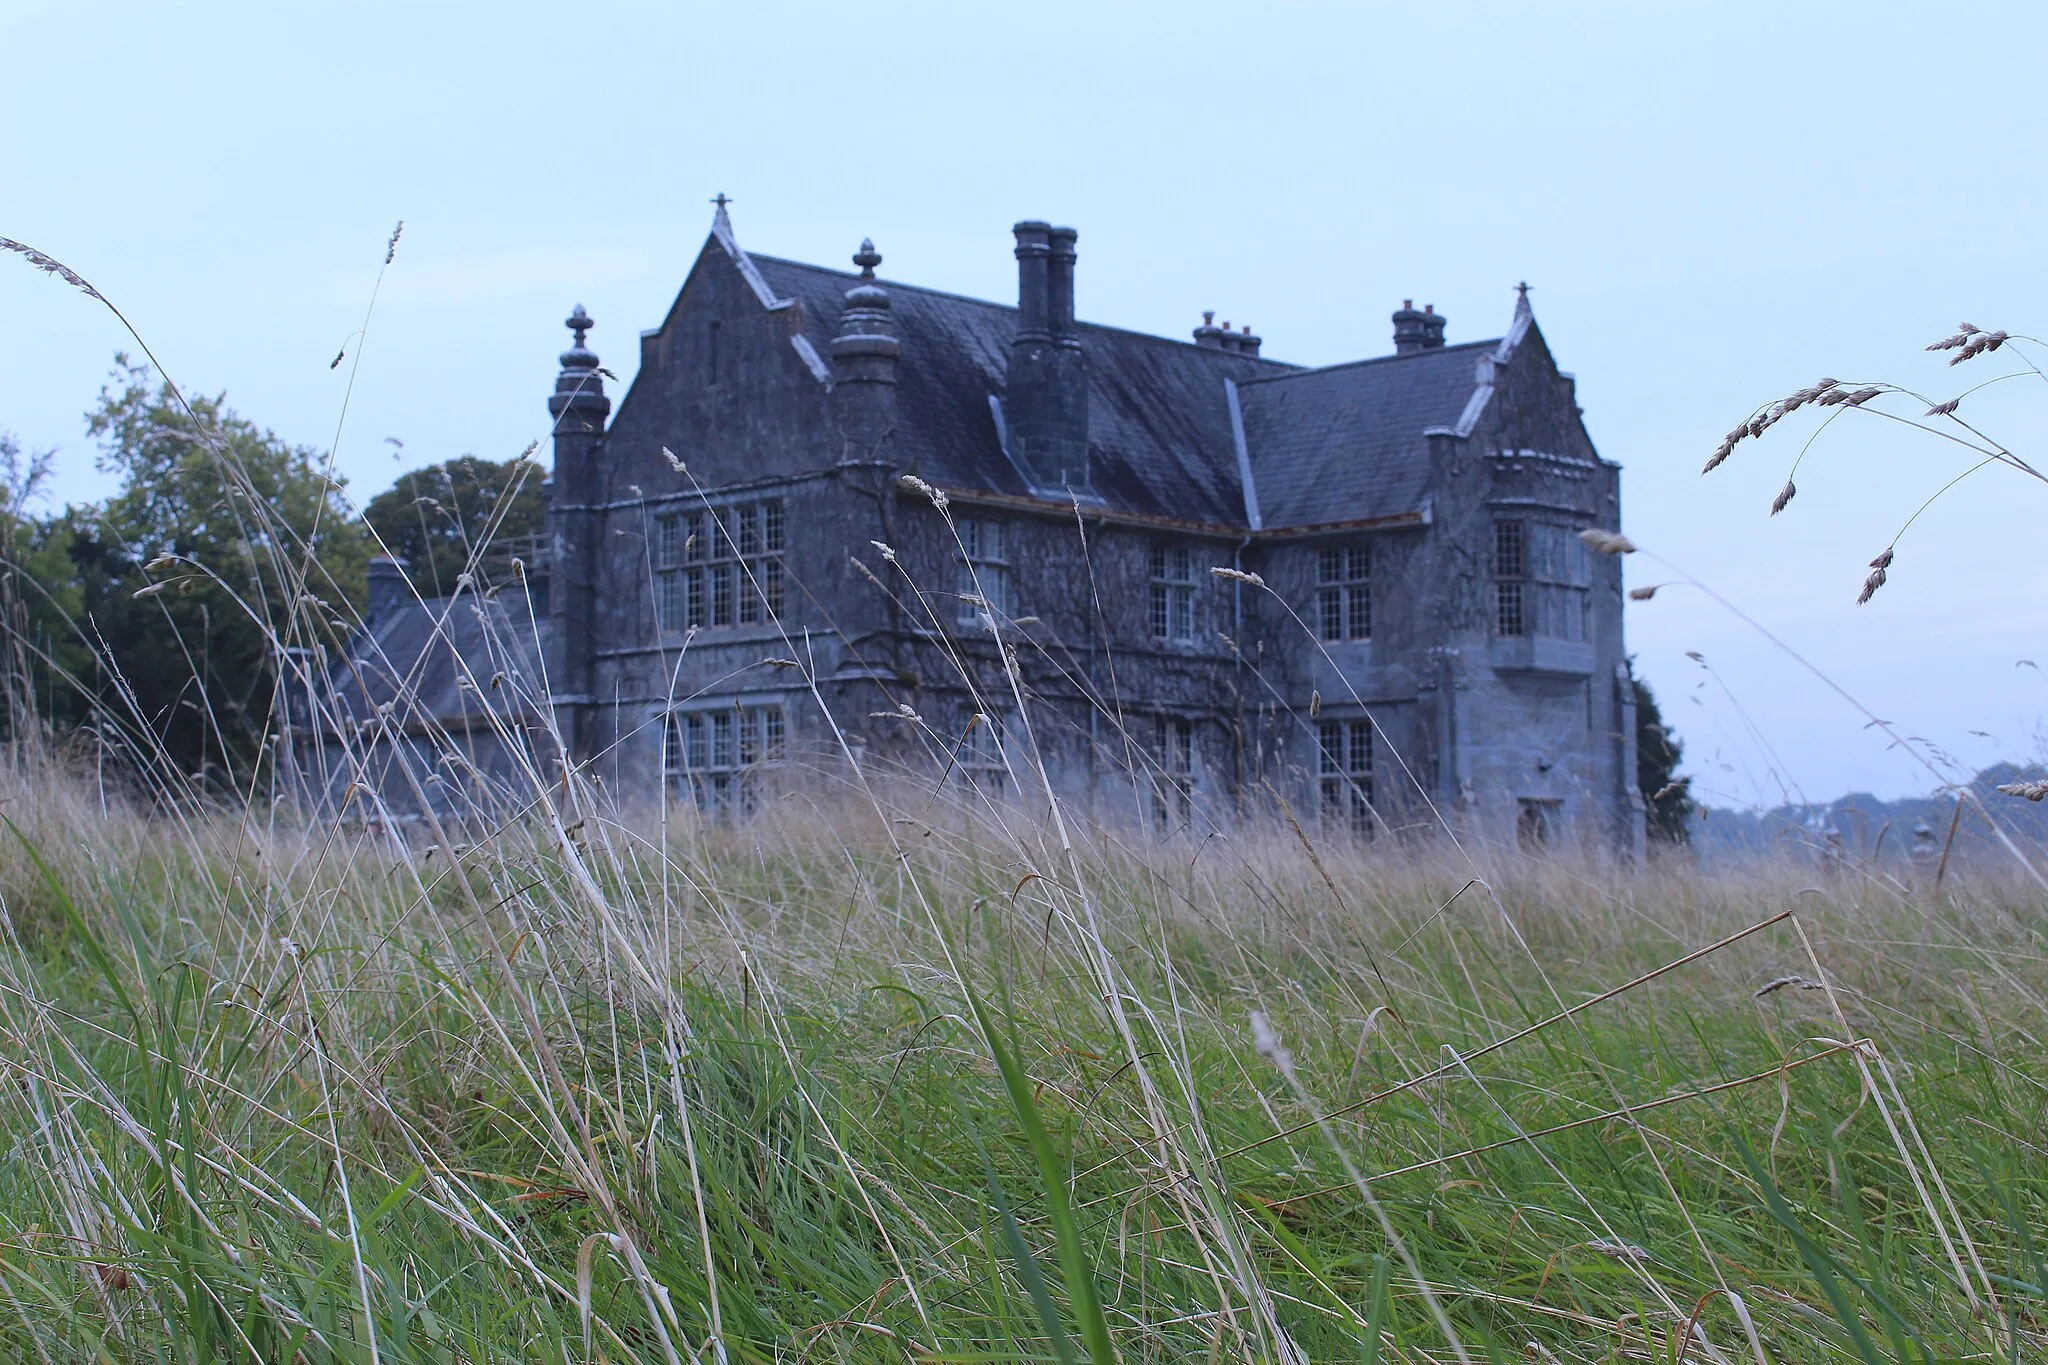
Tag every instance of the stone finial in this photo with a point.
(579, 387)
(866, 348)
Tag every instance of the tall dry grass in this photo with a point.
(904, 1069)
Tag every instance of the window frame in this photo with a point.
(1173, 581)
(720, 566)
(1346, 750)
(1173, 778)
(711, 756)
(984, 583)
(1344, 592)
(1510, 577)
(981, 758)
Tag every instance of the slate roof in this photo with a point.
(1339, 444)
(1346, 443)
(1158, 420)
(413, 651)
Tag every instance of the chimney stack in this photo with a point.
(1250, 344)
(1417, 331)
(1209, 334)
(1045, 406)
(387, 592)
(1408, 329)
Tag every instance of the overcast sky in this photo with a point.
(1714, 204)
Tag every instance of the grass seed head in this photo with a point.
(2031, 791)
(1978, 344)
(1785, 496)
(50, 265)
(1644, 593)
(1608, 542)
(1239, 576)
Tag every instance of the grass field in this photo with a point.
(902, 1081)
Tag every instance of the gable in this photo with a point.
(1348, 443)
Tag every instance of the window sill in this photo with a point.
(1540, 654)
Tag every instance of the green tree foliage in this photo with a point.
(1667, 797)
(39, 593)
(224, 543)
(441, 519)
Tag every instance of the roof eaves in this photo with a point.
(1094, 510)
(1419, 516)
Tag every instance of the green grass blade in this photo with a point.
(1074, 1260)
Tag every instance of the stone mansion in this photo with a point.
(835, 519)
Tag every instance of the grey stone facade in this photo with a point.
(748, 582)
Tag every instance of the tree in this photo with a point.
(224, 544)
(442, 519)
(1667, 797)
(39, 598)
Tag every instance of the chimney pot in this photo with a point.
(387, 590)
(1411, 331)
(1034, 278)
(1432, 328)
(1060, 284)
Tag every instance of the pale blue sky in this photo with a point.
(1715, 204)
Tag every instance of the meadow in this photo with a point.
(906, 1069)
(902, 1074)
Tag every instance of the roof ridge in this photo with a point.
(1189, 346)
(1306, 371)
